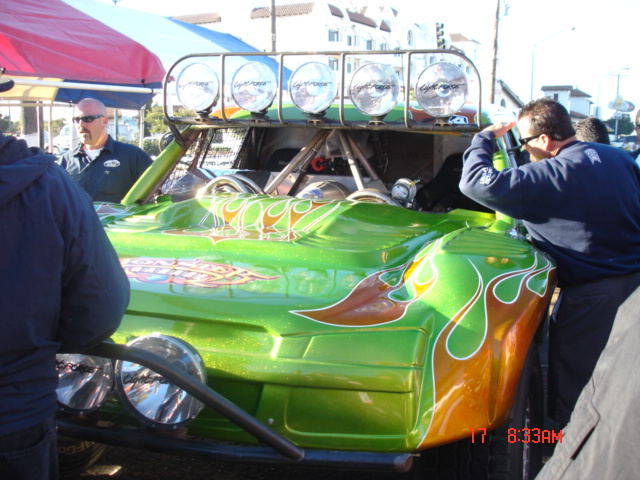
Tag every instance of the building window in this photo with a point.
(409, 38)
(556, 97)
(356, 41)
(333, 64)
(333, 35)
(383, 46)
(349, 67)
(349, 40)
(369, 44)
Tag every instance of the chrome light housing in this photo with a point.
(313, 87)
(84, 382)
(198, 87)
(254, 87)
(328, 190)
(442, 89)
(404, 191)
(149, 396)
(374, 89)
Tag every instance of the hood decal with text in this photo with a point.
(196, 273)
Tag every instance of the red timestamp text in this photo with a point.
(524, 435)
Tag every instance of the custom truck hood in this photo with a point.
(231, 253)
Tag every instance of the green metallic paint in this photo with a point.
(347, 386)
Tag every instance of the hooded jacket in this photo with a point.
(62, 287)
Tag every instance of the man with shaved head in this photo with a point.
(105, 168)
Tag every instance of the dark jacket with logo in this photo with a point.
(109, 177)
(582, 206)
(62, 287)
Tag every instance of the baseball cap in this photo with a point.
(6, 84)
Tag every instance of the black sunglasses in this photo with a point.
(86, 118)
(524, 141)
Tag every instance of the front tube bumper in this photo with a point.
(278, 449)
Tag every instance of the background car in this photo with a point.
(62, 141)
(626, 142)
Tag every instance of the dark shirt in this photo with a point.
(111, 175)
(582, 207)
(62, 287)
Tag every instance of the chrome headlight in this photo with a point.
(149, 396)
(313, 87)
(84, 382)
(254, 87)
(404, 190)
(198, 87)
(442, 89)
(374, 89)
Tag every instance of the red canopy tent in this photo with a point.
(54, 41)
(101, 50)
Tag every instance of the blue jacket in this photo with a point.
(582, 207)
(61, 288)
(109, 177)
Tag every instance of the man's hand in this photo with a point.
(500, 128)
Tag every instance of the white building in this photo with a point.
(507, 98)
(575, 101)
(321, 26)
(324, 26)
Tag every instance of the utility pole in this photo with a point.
(494, 54)
(273, 25)
(617, 116)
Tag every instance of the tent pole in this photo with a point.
(50, 128)
(141, 126)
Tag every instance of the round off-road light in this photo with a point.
(374, 89)
(254, 87)
(84, 382)
(442, 89)
(198, 87)
(404, 190)
(313, 87)
(149, 396)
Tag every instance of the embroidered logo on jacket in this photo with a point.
(593, 155)
(486, 176)
(112, 163)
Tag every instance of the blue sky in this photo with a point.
(585, 58)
